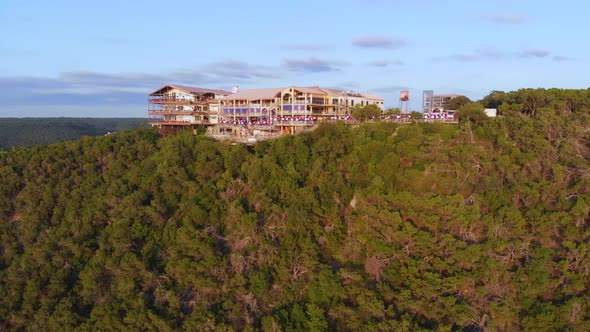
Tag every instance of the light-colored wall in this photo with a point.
(357, 101)
(378, 102)
(491, 112)
(179, 94)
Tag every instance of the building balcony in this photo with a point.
(168, 122)
(261, 105)
(177, 101)
(180, 122)
(263, 127)
(228, 125)
(304, 102)
(154, 112)
(294, 123)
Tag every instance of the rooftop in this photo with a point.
(189, 89)
(254, 94)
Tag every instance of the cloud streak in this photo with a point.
(313, 65)
(379, 42)
(476, 55)
(506, 19)
(93, 90)
(534, 53)
(234, 70)
(490, 54)
(386, 63)
(541, 54)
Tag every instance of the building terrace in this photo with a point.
(253, 111)
(257, 114)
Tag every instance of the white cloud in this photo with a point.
(379, 42)
(534, 53)
(506, 18)
(476, 55)
(312, 65)
(386, 63)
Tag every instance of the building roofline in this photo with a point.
(191, 89)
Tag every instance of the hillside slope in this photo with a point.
(29, 132)
(435, 227)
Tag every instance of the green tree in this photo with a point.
(368, 227)
(367, 112)
(316, 319)
(392, 111)
(416, 115)
(457, 102)
(494, 99)
(472, 113)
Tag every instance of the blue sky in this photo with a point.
(102, 58)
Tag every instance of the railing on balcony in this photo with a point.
(306, 102)
(295, 123)
(169, 122)
(447, 120)
(262, 127)
(172, 112)
(246, 139)
(244, 124)
(254, 105)
(269, 124)
(180, 101)
(167, 112)
(392, 119)
(179, 122)
(346, 119)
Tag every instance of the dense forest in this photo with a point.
(480, 226)
(29, 132)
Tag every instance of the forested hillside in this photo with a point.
(479, 226)
(29, 132)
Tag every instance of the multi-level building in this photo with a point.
(287, 109)
(295, 101)
(435, 103)
(174, 106)
(344, 101)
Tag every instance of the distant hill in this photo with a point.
(29, 132)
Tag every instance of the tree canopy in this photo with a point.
(29, 132)
(392, 111)
(366, 112)
(457, 102)
(472, 112)
(420, 227)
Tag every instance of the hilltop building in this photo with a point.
(491, 112)
(179, 106)
(435, 103)
(288, 109)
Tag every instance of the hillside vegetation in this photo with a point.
(479, 226)
(29, 132)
